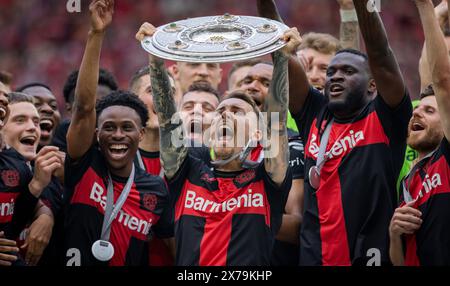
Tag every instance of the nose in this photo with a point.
(46, 109)
(314, 75)
(202, 70)
(337, 76)
(31, 126)
(418, 112)
(118, 134)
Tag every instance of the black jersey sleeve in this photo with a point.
(296, 158)
(395, 124)
(74, 171)
(23, 213)
(277, 195)
(315, 101)
(52, 195)
(445, 149)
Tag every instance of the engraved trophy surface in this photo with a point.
(216, 39)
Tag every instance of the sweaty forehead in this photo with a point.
(39, 91)
(200, 97)
(235, 102)
(23, 108)
(349, 59)
(428, 101)
(118, 113)
(261, 70)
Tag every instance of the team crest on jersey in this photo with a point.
(10, 178)
(207, 178)
(245, 177)
(150, 201)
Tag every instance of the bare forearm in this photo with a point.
(438, 60)
(172, 156)
(372, 30)
(437, 53)
(290, 229)
(396, 251)
(349, 35)
(268, 9)
(86, 89)
(383, 64)
(424, 69)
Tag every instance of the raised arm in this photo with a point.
(383, 64)
(298, 81)
(172, 153)
(438, 60)
(276, 158)
(82, 127)
(442, 13)
(349, 31)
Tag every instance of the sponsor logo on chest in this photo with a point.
(343, 145)
(133, 223)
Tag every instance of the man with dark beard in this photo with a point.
(354, 151)
(421, 223)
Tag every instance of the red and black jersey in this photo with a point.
(16, 202)
(159, 253)
(145, 210)
(346, 219)
(429, 185)
(151, 162)
(226, 218)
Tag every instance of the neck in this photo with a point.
(124, 172)
(150, 143)
(233, 166)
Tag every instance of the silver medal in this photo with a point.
(314, 177)
(102, 250)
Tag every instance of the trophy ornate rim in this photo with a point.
(216, 39)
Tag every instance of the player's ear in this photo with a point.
(141, 134)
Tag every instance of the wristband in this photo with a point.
(348, 16)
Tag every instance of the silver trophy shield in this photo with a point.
(216, 39)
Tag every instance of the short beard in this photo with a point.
(431, 142)
(355, 101)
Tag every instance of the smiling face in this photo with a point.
(425, 129)
(187, 74)
(197, 111)
(257, 82)
(47, 107)
(119, 133)
(3, 104)
(348, 84)
(21, 130)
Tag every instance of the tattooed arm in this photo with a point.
(277, 156)
(349, 31)
(383, 64)
(298, 81)
(172, 156)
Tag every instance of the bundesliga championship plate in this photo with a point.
(216, 39)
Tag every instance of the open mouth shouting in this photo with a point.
(3, 113)
(336, 90)
(417, 126)
(225, 135)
